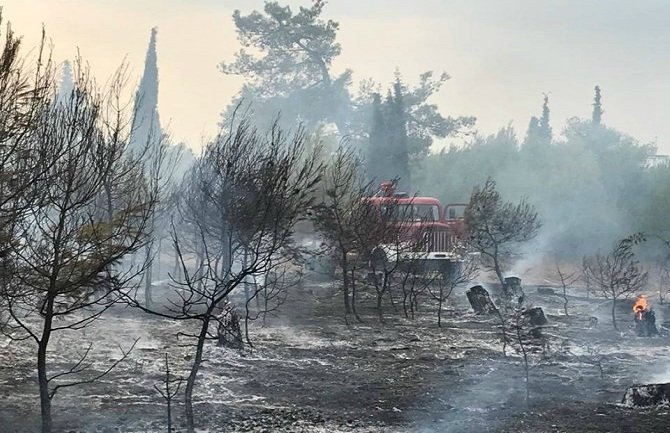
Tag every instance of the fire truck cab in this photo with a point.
(442, 228)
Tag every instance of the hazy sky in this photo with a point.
(501, 54)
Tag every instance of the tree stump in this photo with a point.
(647, 395)
(535, 316)
(481, 301)
(645, 323)
(512, 287)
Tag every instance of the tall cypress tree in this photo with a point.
(146, 139)
(66, 85)
(544, 128)
(376, 154)
(597, 115)
(146, 126)
(398, 127)
(539, 129)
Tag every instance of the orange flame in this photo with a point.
(641, 305)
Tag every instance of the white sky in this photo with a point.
(502, 54)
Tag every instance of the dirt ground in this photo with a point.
(309, 371)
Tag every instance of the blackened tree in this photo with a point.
(497, 227)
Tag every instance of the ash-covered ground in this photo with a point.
(309, 371)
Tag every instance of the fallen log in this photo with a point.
(647, 395)
(481, 301)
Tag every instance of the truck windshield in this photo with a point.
(411, 212)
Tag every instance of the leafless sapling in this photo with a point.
(169, 391)
(617, 274)
(566, 279)
(457, 274)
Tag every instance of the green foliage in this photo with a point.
(388, 156)
(286, 61)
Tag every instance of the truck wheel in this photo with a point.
(378, 259)
(448, 269)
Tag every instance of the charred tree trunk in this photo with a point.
(379, 307)
(439, 312)
(45, 399)
(190, 382)
(535, 316)
(481, 301)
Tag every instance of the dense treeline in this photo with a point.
(590, 184)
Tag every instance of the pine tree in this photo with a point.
(597, 115)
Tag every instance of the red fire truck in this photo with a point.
(441, 229)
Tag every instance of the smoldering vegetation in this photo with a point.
(268, 283)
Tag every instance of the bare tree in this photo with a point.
(497, 227)
(527, 338)
(443, 286)
(618, 274)
(343, 209)
(169, 392)
(242, 199)
(566, 280)
(64, 262)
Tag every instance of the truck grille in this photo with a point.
(441, 241)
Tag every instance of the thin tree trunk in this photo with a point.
(45, 400)
(499, 274)
(148, 298)
(345, 282)
(379, 307)
(439, 313)
(613, 313)
(353, 295)
(158, 258)
(190, 382)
